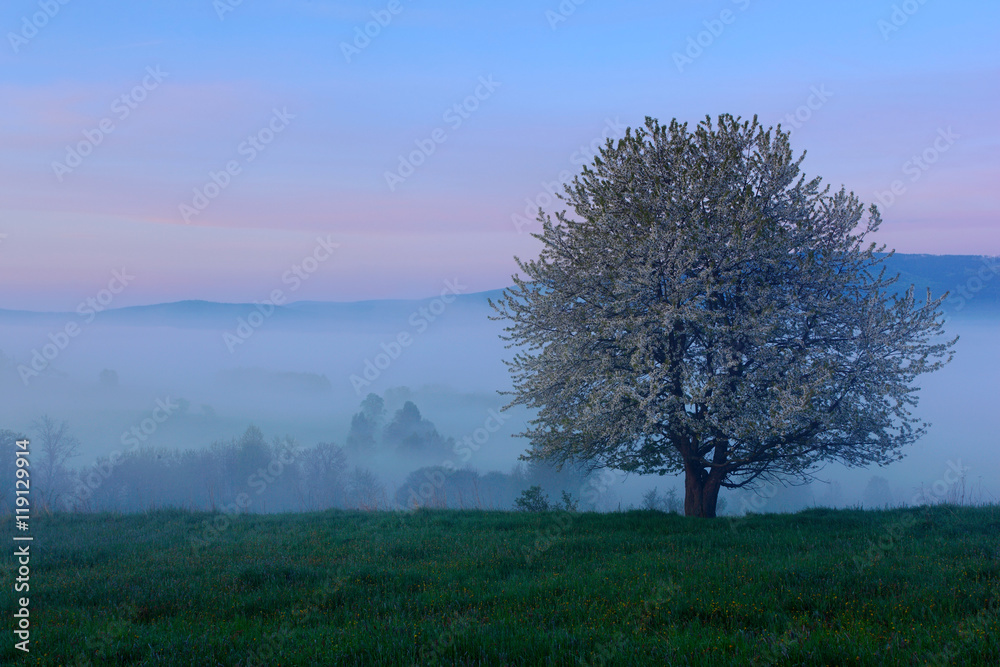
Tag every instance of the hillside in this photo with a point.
(969, 279)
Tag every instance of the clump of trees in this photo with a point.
(253, 473)
(407, 433)
(248, 473)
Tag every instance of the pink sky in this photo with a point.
(532, 99)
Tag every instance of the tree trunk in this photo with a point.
(701, 491)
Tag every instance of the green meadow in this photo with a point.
(917, 586)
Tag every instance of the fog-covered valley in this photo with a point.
(181, 376)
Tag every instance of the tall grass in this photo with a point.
(913, 586)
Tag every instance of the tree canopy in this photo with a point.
(706, 309)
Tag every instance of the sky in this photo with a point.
(204, 149)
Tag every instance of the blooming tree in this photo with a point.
(709, 310)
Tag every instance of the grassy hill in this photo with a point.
(896, 587)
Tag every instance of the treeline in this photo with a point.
(254, 474)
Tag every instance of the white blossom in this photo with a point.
(706, 309)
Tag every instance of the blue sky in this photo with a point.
(184, 88)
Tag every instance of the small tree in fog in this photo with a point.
(366, 426)
(877, 493)
(230, 463)
(668, 502)
(57, 447)
(364, 490)
(568, 504)
(709, 310)
(322, 484)
(410, 433)
(532, 500)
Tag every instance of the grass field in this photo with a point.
(822, 587)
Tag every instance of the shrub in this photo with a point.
(651, 500)
(669, 502)
(532, 500)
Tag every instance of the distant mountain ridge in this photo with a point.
(973, 282)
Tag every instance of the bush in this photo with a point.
(668, 502)
(532, 500)
(651, 500)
